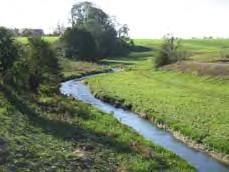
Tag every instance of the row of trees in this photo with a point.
(94, 34)
(27, 66)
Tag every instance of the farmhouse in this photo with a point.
(31, 32)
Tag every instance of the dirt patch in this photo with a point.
(220, 69)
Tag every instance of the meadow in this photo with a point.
(198, 49)
(195, 106)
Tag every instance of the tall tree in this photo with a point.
(80, 44)
(98, 23)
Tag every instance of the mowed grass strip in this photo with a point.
(198, 107)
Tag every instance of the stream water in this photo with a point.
(201, 161)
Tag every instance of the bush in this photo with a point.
(43, 64)
(8, 50)
(79, 44)
(169, 52)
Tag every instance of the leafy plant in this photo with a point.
(169, 52)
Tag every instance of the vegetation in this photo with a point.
(8, 50)
(169, 52)
(49, 39)
(56, 133)
(195, 106)
(40, 130)
(79, 43)
(202, 50)
(93, 34)
(74, 69)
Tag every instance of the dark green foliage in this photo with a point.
(43, 64)
(169, 52)
(80, 44)
(8, 50)
(107, 40)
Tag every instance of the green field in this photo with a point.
(197, 107)
(50, 39)
(199, 49)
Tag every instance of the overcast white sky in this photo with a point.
(145, 18)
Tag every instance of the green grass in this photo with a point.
(197, 107)
(56, 133)
(60, 134)
(73, 69)
(199, 49)
(50, 39)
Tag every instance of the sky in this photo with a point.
(145, 18)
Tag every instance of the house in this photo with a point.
(31, 32)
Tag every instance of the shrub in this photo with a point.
(43, 64)
(8, 50)
(169, 52)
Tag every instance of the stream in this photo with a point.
(202, 162)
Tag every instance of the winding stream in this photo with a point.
(201, 161)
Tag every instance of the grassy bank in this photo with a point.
(73, 69)
(56, 133)
(196, 107)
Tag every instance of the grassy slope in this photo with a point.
(55, 133)
(195, 106)
(73, 69)
(200, 49)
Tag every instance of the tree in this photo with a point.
(8, 50)
(43, 64)
(123, 32)
(169, 51)
(80, 44)
(59, 31)
(101, 26)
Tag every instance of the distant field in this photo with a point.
(200, 49)
(50, 39)
(197, 107)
